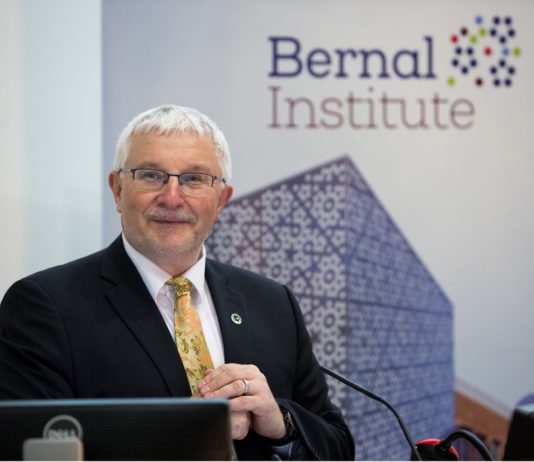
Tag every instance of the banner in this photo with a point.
(430, 101)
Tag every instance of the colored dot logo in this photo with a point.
(485, 53)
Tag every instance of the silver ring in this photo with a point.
(247, 386)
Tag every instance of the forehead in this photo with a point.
(173, 150)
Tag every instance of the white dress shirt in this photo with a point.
(155, 278)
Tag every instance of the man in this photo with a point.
(108, 325)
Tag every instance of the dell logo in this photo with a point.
(62, 427)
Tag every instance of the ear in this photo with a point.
(115, 183)
(224, 198)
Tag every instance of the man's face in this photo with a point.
(166, 226)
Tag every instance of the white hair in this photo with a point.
(168, 119)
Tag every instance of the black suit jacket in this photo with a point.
(89, 329)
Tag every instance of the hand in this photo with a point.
(228, 381)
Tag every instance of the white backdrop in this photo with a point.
(50, 129)
(463, 196)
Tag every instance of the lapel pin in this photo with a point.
(236, 318)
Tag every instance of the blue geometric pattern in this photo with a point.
(374, 312)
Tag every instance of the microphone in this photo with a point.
(414, 450)
(431, 448)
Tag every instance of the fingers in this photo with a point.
(240, 424)
(231, 381)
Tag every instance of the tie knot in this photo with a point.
(181, 285)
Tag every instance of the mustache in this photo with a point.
(177, 215)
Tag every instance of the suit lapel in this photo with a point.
(133, 303)
(232, 314)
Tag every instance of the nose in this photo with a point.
(171, 195)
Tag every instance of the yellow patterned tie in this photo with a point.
(190, 339)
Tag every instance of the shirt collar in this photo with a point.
(155, 278)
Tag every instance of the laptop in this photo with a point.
(115, 429)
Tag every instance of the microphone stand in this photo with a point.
(370, 394)
(432, 449)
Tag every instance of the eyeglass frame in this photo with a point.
(168, 175)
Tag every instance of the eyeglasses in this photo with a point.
(192, 184)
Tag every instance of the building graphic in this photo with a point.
(374, 312)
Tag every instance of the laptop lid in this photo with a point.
(121, 429)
